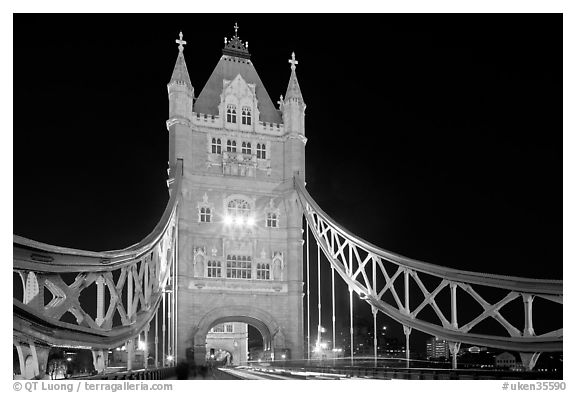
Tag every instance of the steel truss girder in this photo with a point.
(144, 270)
(333, 240)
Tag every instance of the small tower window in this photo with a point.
(263, 271)
(271, 220)
(214, 269)
(231, 114)
(246, 115)
(205, 214)
(205, 209)
(231, 146)
(216, 146)
(246, 148)
(261, 151)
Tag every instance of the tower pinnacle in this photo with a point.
(235, 47)
(293, 91)
(181, 43)
(180, 73)
(293, 61)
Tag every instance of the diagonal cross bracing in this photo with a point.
(333, 246)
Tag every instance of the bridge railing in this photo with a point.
(94, 300)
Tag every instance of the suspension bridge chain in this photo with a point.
(385, 281)
(133, 287)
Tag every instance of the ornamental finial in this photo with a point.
(293, 62)
(235, 29)
(181, 43)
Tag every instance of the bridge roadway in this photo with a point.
(292, 371)
(309, 372)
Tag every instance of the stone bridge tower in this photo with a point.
(240, 229)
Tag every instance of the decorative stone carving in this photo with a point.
(199, 256)
(277, 265)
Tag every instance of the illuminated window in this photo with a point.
(261, 151)
(272, 220)
(231, 146)
(205, 214)
(214, 269)
(231, 114)
(246, 115)
(216, 146)
(263, 271)
(239, 266)
(238, 208)
(223, 328)
(246, 148)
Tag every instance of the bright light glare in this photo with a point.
(69, 359)
(141, 345)
(250, 221)
(169, 358)
(228, 220)
(283, 356)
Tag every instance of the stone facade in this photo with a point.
(240, 224)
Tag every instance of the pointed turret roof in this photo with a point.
(293, 90)
(180, 73)
(235, 60)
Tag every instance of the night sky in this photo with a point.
(438, 137)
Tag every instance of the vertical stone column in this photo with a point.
(33, 359)
(100, 359)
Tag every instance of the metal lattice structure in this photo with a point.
(131, 285)
(376, 275)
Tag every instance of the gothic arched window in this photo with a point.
(239, 266)
(231, 146)
(205, 214)
(261, 151)
(271, 220)
(246, 148)
(238, 208)
(216, 146)
(231, 113)
(263, 271)
(246, 115)
(214, 269)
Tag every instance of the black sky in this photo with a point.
(435, 136)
